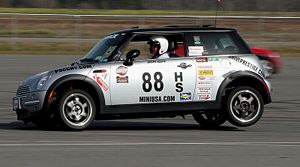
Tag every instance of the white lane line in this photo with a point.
(280, 144)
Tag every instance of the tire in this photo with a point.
(210, 119)
(244, 106)
(268, 67)
(76, 109)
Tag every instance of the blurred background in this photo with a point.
(72, 27)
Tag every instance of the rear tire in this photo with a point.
(244, 106)
(76, 109)
(210, 119)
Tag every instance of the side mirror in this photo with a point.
(130, 57)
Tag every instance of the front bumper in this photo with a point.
(29, 105)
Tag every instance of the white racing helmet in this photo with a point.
(163, 42)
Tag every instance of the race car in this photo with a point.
(203, 71)
(271, 61)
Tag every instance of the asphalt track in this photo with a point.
(274, 141)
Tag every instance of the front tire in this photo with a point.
(210, 119)
(244, 106)
(77, 109)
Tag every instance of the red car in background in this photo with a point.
(271, 61)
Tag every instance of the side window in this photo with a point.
(195, 45)
(214, 43)
(156, 46)
(142, 46)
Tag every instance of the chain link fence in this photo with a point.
(56, 34)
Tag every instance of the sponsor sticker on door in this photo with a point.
(185, 96)
(122, 79)
(122, 70)
(205, 72)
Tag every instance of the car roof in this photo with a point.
(175, 29)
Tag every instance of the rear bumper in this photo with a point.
(29, 105)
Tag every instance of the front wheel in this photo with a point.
(244, 106)
(77, 109)
(210, 118)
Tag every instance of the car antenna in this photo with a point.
(217, 9)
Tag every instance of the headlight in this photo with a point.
(43, 80)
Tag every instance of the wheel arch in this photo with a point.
(244, 78)
(80, 82)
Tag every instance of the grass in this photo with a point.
(35, 32)
(143, 12)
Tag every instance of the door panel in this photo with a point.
(153, 81)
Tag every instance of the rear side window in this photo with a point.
(215, 43)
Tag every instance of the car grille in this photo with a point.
(23, 90)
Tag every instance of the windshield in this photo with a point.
(105, 48)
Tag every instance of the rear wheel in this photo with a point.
(77, 109)
(244, 106)
(210, 118)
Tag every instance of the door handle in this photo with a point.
(184, 65)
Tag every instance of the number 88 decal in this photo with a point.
(158, 84)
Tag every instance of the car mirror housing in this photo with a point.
(130, 57)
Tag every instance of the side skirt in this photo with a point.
(155, 110)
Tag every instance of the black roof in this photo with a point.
(175, 28)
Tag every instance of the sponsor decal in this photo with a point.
(204, 97)
(122, 79)
(122, 70)
(206, 77)
(202, 77)
(247, 64)
(156, 99)
(73, 68)
(204, 82)
(201, 59)
(195, 50)
(184, 66)
(100, 82)
(205, 72)
(185, 96)
(213, 59)
(204, 90)
(205, 66)
(156, 61)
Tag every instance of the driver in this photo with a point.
(159, 47)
